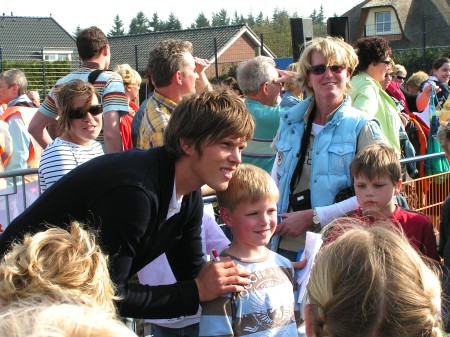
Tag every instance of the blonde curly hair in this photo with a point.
(47, 319)
(57, 264)
(371, 282)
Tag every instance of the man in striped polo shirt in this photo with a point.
(95, 54)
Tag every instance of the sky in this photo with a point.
(101, 13)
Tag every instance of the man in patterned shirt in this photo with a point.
(94, 52)
(175, 73)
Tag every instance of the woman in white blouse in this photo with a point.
(79, 124)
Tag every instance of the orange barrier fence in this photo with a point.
(427, 194)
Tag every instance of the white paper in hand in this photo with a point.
(312, 247)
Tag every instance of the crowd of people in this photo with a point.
(121, 229)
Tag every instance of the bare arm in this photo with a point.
(202, 81)
(111, 132)
(423, 98)
(37, 128)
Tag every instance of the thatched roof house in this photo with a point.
(406, 23)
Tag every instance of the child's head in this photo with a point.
(57, 264)
(249, 204)
(376, 175)
(443, 136)
(371, 282)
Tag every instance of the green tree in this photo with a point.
(117, 29)
(156, 24)
(260, 20)
(139, 24)
(76, 32)
(320, 17)
(250, 19)
(172, 23)
(220, 19)
(313, 16)
(201, 21)
(237, 19)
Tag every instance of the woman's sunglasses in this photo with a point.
(321, 68)
(94, 110)
(400, 77)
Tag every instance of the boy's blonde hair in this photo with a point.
(443, 136)
(371, 282)
(376, 160)
(57, 264)
(248, 184)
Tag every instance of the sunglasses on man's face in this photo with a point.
(321, 68)
(94, 110)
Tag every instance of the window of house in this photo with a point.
(57, 56)
(383, 22)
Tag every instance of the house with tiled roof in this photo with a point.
(35, 38)
(42, 38)
(229, 44)
(406, 23)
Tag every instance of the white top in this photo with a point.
(60, 157)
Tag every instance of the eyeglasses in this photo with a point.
(94, 110)
(400, 77)
(321, 68)
(386, 62)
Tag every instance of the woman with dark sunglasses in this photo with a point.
(79, 124)
(374, 55)
(315, 144)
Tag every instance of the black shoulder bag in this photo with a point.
(302, 200)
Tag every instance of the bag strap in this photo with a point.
(94, 75)
(303, 148)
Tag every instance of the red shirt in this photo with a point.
(416, 226)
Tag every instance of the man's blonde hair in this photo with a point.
(248, 184)
(376, 160)
(58, 264)
(370, 281)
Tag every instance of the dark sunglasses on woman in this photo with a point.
(94, 110)
(321, 68)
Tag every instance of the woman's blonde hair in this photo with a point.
(128, 74)
(58, 264)
(47, 319)
(371, 282)
(333, 49)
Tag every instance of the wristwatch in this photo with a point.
(316, 221)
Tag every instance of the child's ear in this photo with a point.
(225, 214)
(398, 187)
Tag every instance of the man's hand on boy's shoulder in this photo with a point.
(219, 278)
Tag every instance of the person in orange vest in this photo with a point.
(19, 111)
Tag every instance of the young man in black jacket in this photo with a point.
(145, 203)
